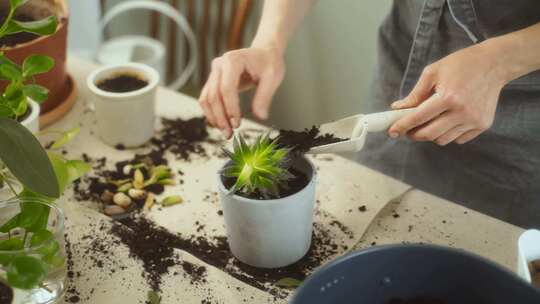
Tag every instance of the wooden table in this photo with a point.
(343, 188)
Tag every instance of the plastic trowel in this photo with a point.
(355, 129)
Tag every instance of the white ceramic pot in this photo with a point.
(32, 121)
(271, 233)
(125, 118)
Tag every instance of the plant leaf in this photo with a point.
(5, 111)
(49, 249)
(288, 283)
(10, 72)
(76, 169)
(34, 216)
(12, 223)
(172, 200)
(16, 3)
(10, 245)
(22, 153)
(54, 260)
(48, 246)
(41, 236)
(42, 27)
(60, 170)
(6, 61)
(38, 93)
(36, 64)
(153, 297)
(66, 138)
(25, 272)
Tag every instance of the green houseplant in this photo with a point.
(30, 248)
(268, 196)
(260, 168)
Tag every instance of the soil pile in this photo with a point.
(182, 138)
(150, 245)
(302, 141)
(122, 83)
(154, 246)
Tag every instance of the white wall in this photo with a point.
(329, 63)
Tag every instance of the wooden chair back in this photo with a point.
(219, 26)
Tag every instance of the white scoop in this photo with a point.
(355, 128)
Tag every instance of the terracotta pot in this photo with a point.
(54, 46)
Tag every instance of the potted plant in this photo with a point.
(32, 264)
(21, 97)
(52, 43)
(32, 256)
(268, 196)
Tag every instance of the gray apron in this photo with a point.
(498, 173)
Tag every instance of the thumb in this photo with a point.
(421, 91)
(263, 96)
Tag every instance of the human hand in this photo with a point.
(456, 98)
(234, 72)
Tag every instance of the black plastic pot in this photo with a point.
(378, 274)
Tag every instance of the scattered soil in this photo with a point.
(6, 294)
(182, 138)
(157, 254)
(122, 83)
(18, 38)
(302, 141)
(419, 300)
(151, 246)
(72, 295)
(294, 185)
(155, 246)
(534, 268)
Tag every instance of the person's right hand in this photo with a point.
(234, 72)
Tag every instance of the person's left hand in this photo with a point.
(465, 86)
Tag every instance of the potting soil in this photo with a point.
(302, 141)
(122, 83)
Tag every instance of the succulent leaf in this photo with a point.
(258, 168)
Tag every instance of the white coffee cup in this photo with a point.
(125, 119)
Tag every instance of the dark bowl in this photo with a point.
(404, 272)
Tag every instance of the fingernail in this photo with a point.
(394, 134)
(235, 122)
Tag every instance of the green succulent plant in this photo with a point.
(262, 167)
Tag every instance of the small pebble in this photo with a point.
(114, 210)
(127, 169)
(137, 194)
(122, 200)
(107, 196)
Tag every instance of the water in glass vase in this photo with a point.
(32, 251)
